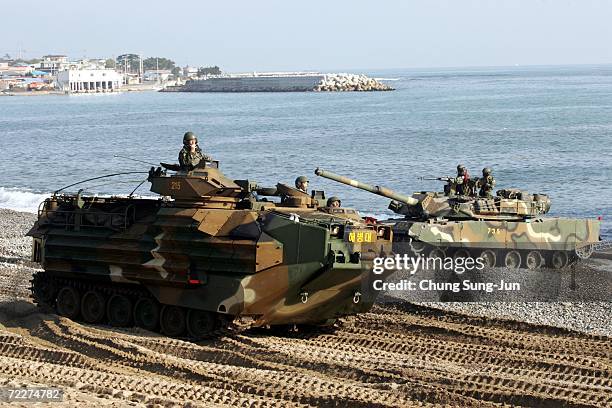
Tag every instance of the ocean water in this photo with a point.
(542, 129)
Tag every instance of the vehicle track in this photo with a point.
(276, 384)
(392, 356)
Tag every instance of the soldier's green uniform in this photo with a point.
(189, 160)
(486, 183)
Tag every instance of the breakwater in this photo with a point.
(350, 82)
(283, 82)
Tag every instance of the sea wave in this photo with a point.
(21, 200)
(387, 79)
(27, 201)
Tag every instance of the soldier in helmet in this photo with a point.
(334, 202)
(191, 155)
(486, 183)
(462, 181)
(301, 183)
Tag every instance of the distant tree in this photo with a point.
(155, 62)
(7, 56)
(26, 61)
(177, 71)
(209, 71)
(110, 63)
(132, 61)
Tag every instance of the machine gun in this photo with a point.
(446, 179)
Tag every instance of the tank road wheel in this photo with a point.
(489, 259)
(512, 260)
(172, 320)
(437, 253)
(146, 313)
(584, 252)
(200, 324)
(558, 260)
(68, 302)
(533, 260)
(119, 311)
(92, 307)
(461, 253)
(43, 289)
(417, 246)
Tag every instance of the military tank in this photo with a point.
(508, 230)
(210, 253)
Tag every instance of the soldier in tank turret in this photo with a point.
(486, 183)
(191, 156)
(301, 183)
(334, 202)
(462, 181)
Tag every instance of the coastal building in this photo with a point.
(88, 63)
(159, 75)
(89, 80)
(190, 72)
(17, 70)
(53, 63)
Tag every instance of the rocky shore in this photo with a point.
(350, 82)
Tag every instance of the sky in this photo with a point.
(271, 35)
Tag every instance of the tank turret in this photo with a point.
(207, 186)
(507, 205)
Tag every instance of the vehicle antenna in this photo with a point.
(137, 187)
(136, 160)
(100, 177)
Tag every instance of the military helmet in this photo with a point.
(460, 169)
(189, 136)
(332, 199)
(301, 179)
(487, 171)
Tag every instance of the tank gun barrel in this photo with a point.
(382, 191)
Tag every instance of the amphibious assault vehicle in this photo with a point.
(210, 253)
(506, 230)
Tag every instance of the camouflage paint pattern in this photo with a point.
(212, 244)
(541, 233)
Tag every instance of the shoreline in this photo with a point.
(124, 89)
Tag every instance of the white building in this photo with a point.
(190, 72)
(89, 80)
(160, 75)
(53, 63)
